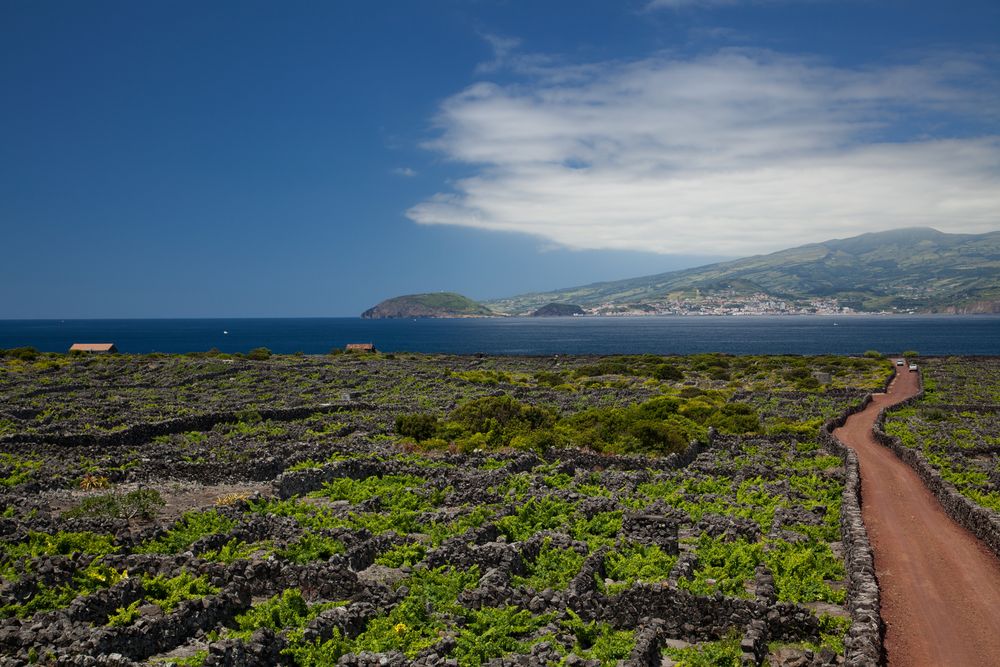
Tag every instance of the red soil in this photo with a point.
(940, 586)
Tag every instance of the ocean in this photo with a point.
(927, 334)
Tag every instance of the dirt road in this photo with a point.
(940, 586)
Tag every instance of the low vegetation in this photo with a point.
(475, 507)
(956, 426)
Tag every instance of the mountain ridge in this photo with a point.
(913, 269)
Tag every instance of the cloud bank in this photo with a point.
(726, 154)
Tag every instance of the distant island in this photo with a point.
(559, 310)
(907, 271)
(434, 304)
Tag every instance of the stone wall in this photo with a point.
(140, 433)
(863, 644)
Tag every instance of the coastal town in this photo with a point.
(724, 303)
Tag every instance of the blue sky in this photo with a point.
(166, 159)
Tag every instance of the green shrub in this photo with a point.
(598, 530)
(190, 528)
(494, 632)
(699, 409)
(487, 377)
(402, 555)
(540, 440)
(141, 503)
(16, 470)
(317, 653)
(289, 609)
(722, 653)
(539, 513)
(935, 414)
(599, 641)
(736, 418)
(606, 367)
(312, 547)
(653, 427)
(729, 564)
(259, 354)
(21, 353)
(549, 379)
(807, 383)
(709, 360)
(800, 571)
(395, 491)
(245, 416)
(440, 531)
(553, 568)
(427, 610)
(719, 374)
(92, 578)
(235, 550)
(166, 593)
(668, 372)
(417, 426)
(832, 630)
(661, 407)
(285, 610)
(501, 414)
(62, 543)
(124, 616)
(196, 659)
(656, 437)
(638, 562)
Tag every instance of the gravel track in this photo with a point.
(940, 586)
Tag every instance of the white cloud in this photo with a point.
(732, 153)
(405, 171)
(502, 48)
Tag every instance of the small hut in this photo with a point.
(823, 378)
(101, 348)
(361, 347)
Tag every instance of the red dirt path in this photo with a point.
(940, 586)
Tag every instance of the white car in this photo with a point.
(899, 362)
(913, 368)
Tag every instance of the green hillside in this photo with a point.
(435, 304)
(918, 269)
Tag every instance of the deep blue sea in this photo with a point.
(928, 334)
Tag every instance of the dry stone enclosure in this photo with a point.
(425, 510)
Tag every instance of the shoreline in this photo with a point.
(816, 334)
(486, 317)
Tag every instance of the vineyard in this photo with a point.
(367, 509)
(956, 426)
